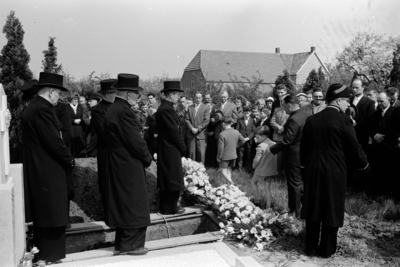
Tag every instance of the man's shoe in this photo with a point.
(180, 211)
(137, 251)
(310, 252)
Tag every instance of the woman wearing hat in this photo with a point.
(76, 116)
(329, 139)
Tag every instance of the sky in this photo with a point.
(160, 38)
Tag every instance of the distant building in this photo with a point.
(221, 66)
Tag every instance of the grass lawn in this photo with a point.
(370, 235)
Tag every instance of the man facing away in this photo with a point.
(328, 141)
(290, 147)
(126, 206)
(197, 119)
(46, 162)
(171, 149)
(98, 114)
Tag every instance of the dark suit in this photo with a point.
(171, 149)
(365, 108)
(46, 162)
(394, 152)
(380, 151)
(290, 147)
(197, 142)
(127, 206)
(244, 152)
(76, 130)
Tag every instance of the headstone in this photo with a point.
(12, 219)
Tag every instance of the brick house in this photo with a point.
(221, 66)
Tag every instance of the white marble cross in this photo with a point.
(5, 118)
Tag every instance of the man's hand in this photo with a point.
(212, 120)
(195, 130)
(77, 121)
(246, 139)
(218, 160)
(155, 135)
(210, 133)
(379, 138)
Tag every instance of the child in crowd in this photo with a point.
(229, 140)
(264, 164)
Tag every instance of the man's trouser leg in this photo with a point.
(312, 235)
(200, 150)
(169, 202)
(328, 243)
(51, 243)
(132, 238)
(295, 187)
(191, 142)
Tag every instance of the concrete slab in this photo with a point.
(211, 254)
(151, 245)
(247, 262)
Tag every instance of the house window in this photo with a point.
(191, 84)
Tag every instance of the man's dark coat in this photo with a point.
(171, 149)
(97, 121)
(292, 133)
(45, 159)
(126, 201)
(378, 124)
(365, 108)
(328, 142)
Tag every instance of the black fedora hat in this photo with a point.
(29, 90)
(170, 86)
(51, 80)
(106, 86)
(127, 82)
(95, 96)
(337, 90)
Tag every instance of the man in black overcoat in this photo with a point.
(46, 162)
(171, 149)
(126, 202)
(328, 143)
(97, 121)
(290, 147)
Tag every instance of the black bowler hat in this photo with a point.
(95, 96)
(106, 86)
(217, 115)
(170, 86)
(127, 82)
(29, 90)
(337, 90)
(51, 80)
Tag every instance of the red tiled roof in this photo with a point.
(224, 65)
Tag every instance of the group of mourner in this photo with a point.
(322, 143)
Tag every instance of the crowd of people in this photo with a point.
(322, 143)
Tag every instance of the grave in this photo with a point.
(12, 219)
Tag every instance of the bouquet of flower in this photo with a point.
(243, 221)
(28, 257)
(196, 180)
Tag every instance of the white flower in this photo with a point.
(259, 247)
(253, 230)
(241, 246)
(222, 231)
(34, 250)
(221, 225)
(239, 237)
(252, 216)
(237, 220)
(230, 229)
(249, 208)
(227, 213)
(219, 193)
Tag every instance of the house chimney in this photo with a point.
(312, 49)
(277, 50)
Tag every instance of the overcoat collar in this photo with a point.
(168, 103)
(122, 101)
(44, 101)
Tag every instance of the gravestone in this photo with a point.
(12, 215)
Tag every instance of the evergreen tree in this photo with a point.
(14, 71)
(312, 82)
(50, 59)
(287, 81)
